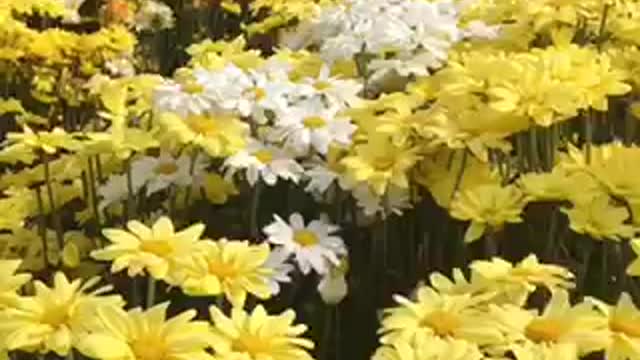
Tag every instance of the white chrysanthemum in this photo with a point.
(116, 189)
(338, 92)
(277, 262)
(154, 15)
(265, 162)
(314, 246)
(183, 99)
(227, 88)
(161, 172)
(320, 179)
(313, 125)
(394, 201)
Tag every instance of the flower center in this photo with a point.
(441, 322)
(314, 122)
(222, 269)
(160, 248)
(193, 88)
(545, 330)
(264, 156)
(201, 125)
(321, 85)
(57, 315)
(631, 328)
(259, 93)
(383, 163)
(305, 238)
(251, 345)
(166, 168)
(149, 348)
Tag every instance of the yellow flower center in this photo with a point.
(259, 93)
(149, 348)
(222, 269)
(264, 156)
(56, 315)
(166, 168)
(251, 345)
(383, 163)
(630, 328)
(443, 323)
(160, 248)
(314, 122)
(305, 238)
(201, 125)
(546, 330)
(193, 88)
(322, 85)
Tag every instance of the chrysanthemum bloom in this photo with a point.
(54, 318)
(232, 268)
(600, 219)
(314, 245)
(258, 335)
(431, 349)
(146, 335)
(10, 282)
(624, 326)
(436, 315)
(561, 332)
(152, 249)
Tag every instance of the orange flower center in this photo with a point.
(546, 330)
(630, 327)
(441, 322)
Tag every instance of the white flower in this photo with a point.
(395, 200)
(161, 172)
(227, 88)
(154, 15)
(320, 179)
(311, 124)
(71, 11)
(120, 67)
(338, 92)
(114, 190)
(189, 97)
(264, 161)
(277, 262)
(314, 246)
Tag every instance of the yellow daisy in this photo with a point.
(55, 317)
(142, 248)
(258, 335)
(232, 268)
(624, 326)
(10, 282)
(146, 335)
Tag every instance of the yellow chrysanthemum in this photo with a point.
(152, 249)
(561, 332)
(10, 282)
(624, 326)
(232, 268)
(55, 318)
(258, 335)
(488, 206)
(433, 314)
(600, 219)
(146, 335)
(220, 135)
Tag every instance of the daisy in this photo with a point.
(258, 335)
(320, 179)
(116, 189)
(339, 92)
(394, 201)
(311, 124)
(264, 162)
(314, 245)
(163, 171)
(280, 269)
(227, 88)
(190, 96)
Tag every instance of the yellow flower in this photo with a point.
(488, 206)
(624, 327)
(232, 268)
(146, 335)
(429, 349)
(437, 315)
(380, 163)
(258, 335)
(219, 135)
(513, 284)
(152, 249)
(49, 142)
(55, 318)
(10, 282)
(599, 219)
(217, 189)
(559, 185)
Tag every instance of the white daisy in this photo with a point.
(314, 246)
(320, 179)
(311, 124)
(394, 201)
(265, 162)
(189, 97)
(113, 190)
(154, 15)
(338, 92)
(277, 262)
(227, 88)
(161, 172)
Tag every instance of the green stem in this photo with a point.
(130, 208)
(57, 223)
(42, 228)
(151, 292)
(325, 342)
